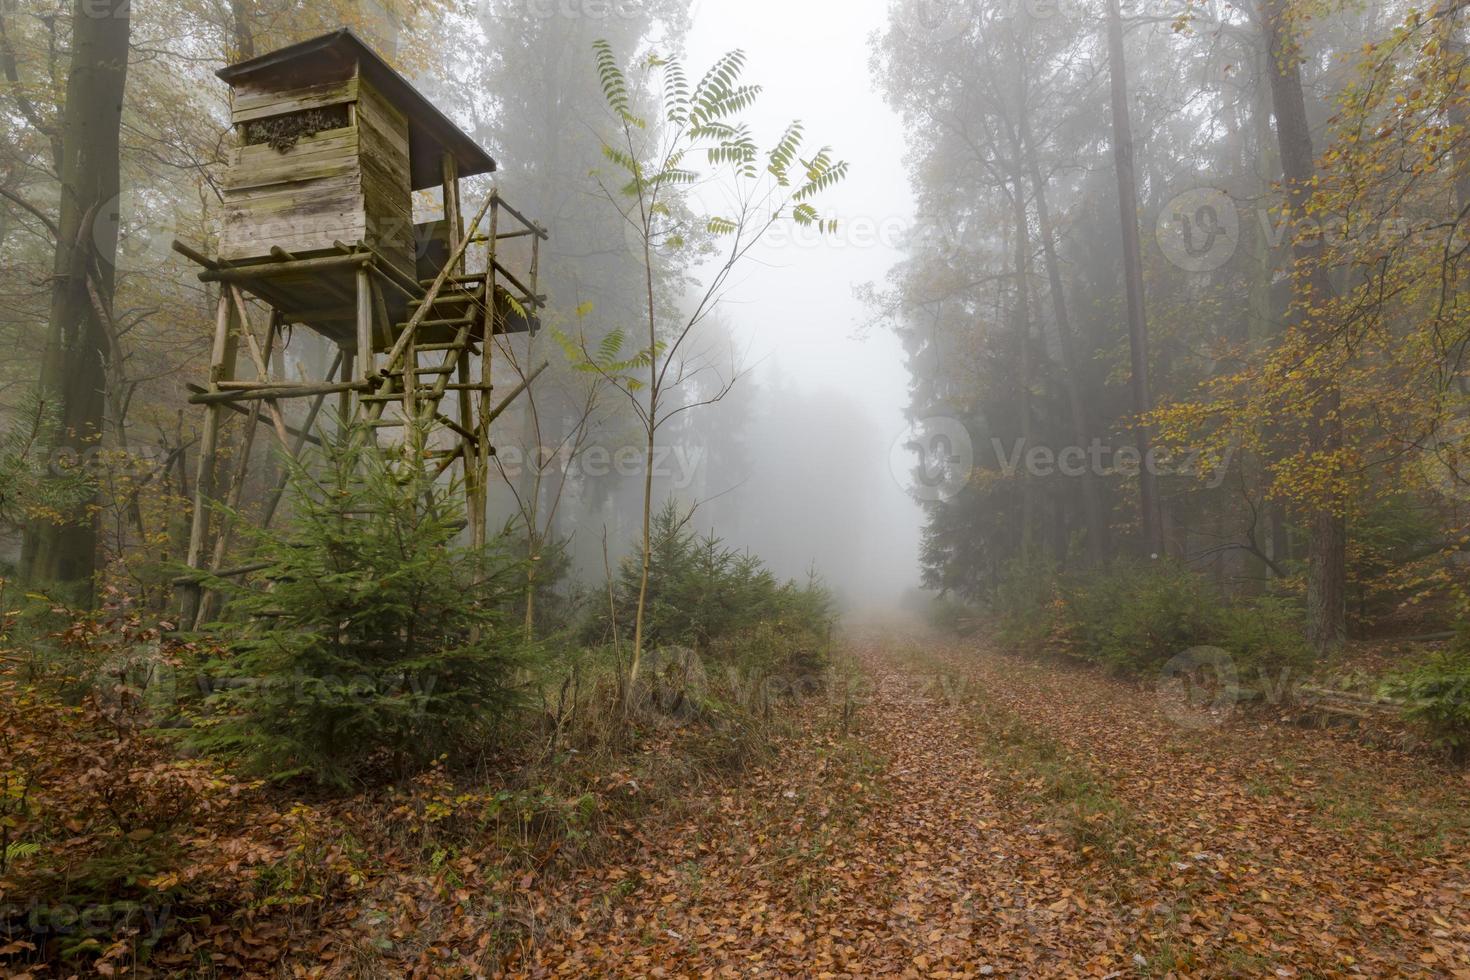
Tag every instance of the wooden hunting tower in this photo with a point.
(331, 144)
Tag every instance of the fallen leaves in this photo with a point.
(1026, 819)
(935, 863)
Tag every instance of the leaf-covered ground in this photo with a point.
(973, 814)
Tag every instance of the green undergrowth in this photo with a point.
(1134, 618)
(1435, 692)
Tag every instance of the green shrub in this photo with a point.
(1263, 635)
(721, 609)
(30, 490)
(371, 643)
(1436, 694)
(1028, 606)
(700, 592)
(949, 615)
(782, 657)
(1133, 618)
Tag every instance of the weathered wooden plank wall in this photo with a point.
(302, 199)
(388, 201)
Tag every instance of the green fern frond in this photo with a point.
(677, 177)
(16, 850)
(713, 131)
(623, 159)
(821, 174)
(717, 86)
(805, 215)
(611, 345)
(614, 83)
(783, 154)
(676, 94)
(720, 104)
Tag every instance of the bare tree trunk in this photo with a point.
(242, 38)
(73, 374)
(1094, 513)
(1148, 496)
(1022, 314)
(651, 425)
(1327, 527)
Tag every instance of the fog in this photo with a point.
(976, 276)
(830, 387)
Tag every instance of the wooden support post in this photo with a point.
(453, 217)
(383, 326)
(469, 454)
(535, 265)
(413, 446)
(482, 424)
(367, 365)
(208, 601)
(221, 367)
(311, 416)
(262, 361)
(344, 398)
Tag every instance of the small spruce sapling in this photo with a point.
(371, 643)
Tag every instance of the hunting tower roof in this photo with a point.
(334, 56)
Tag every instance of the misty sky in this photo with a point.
(794, 306)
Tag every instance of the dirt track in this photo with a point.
(988, 816)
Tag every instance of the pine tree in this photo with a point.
(370, 643)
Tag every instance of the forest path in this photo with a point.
(989, 816)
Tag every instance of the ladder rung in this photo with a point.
(453, 280)
(422, 370)
(458, 321)
(439, 348)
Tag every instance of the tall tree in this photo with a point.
(1093, 508)
(74, 371)
(1327, 522)
(1148, 493)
